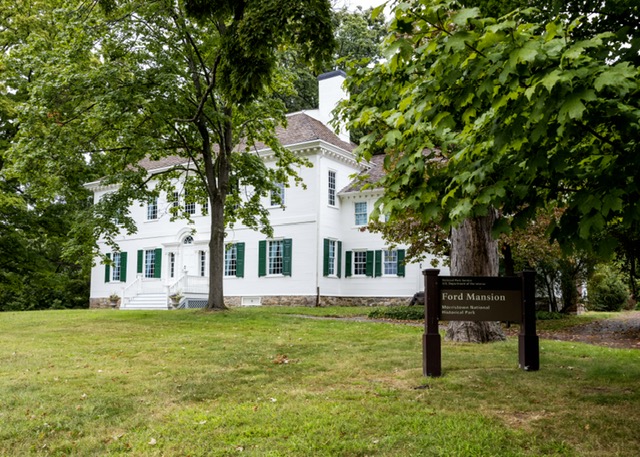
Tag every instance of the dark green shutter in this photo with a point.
(378, 264)
(107, 269)
(401, 262)
(262, 258)
(157, 269)
(286, 256)
(140, 261)
(325, 258)
(339, 259)
(347, 264)
(240, 260)
(123, 267)
(369, 265)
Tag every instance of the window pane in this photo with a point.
(230, 260)
(332, 257)
(360, 262)
(390, 262)
(203, 263)
(277, 196)
(172, 265)
(275, 257)
(152, 209)
(116, 269)
(361, 213)
(332, 188)
(149, 263)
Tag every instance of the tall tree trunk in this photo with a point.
(216, 256)
(474, 252)
(218, 178)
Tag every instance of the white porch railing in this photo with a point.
(189, 285)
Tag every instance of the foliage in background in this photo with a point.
(133, 81)
(560, 275)
(45, 237)
(606, 291)
(525, 114)
(358, 38)
(411, 313)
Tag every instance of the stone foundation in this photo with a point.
(103, 303)
(310, 301)
(280, 300)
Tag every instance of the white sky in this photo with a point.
(363, 3)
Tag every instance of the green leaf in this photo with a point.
(464, 15)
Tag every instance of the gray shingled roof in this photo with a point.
(370, 176)
(301, 128)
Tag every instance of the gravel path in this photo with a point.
(622, 331)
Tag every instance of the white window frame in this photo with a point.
(360, 214)
(274, 193)
(359, 263)
(331, 187)
(275, 257)
(390, 262)
(149, 263)
(172, 264)
(332, 258)
(231, 261)
(152, 209)
(202, 260)
(116, 266)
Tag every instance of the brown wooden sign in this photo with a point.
(469, 298)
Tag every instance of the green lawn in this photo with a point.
(267, 382)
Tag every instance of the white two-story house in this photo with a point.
(320, 254)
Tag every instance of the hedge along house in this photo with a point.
(320, 252)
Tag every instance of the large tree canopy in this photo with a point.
(477, 113)
(109, 86)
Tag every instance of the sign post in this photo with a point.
(479, 298)
(528, 344)
(431, 363)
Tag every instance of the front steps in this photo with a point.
(147, 301)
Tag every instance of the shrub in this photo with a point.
(606, 291)
(405, 313)
(548, 315)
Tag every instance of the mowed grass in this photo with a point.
(268, 382)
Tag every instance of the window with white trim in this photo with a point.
(231, 260)
(390, 262)
(150, 263)
(332, 187)
(359, 263)
(331, 259)
(275, 257)
(277, 195)
(172, 264)
(203, 263)
(116, 266)
(152, 209)
(189, 206)
(361, 213)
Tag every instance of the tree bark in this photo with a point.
(218, 177)
(474, 252)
